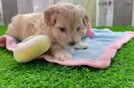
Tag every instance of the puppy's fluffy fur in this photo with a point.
(62, 23)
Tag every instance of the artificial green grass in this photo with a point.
(41, 74)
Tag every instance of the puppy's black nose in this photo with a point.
(72, 43)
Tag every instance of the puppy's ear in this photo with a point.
(50, 15)
(85, 20)
(84, 14)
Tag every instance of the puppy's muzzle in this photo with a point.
(72, 43)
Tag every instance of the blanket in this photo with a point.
(103, 47)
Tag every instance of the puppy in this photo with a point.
(62, 23)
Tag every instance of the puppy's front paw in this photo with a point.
(62, 56)
(81, 45)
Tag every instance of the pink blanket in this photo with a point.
(104, 57)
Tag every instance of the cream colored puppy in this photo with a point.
(62, 23)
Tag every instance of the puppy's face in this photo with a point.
(66, 21)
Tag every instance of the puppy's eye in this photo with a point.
(62, 29)
(78, 29)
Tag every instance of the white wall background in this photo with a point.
(104, 12)
(1, 13)
(99, 15)
(133, 15)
